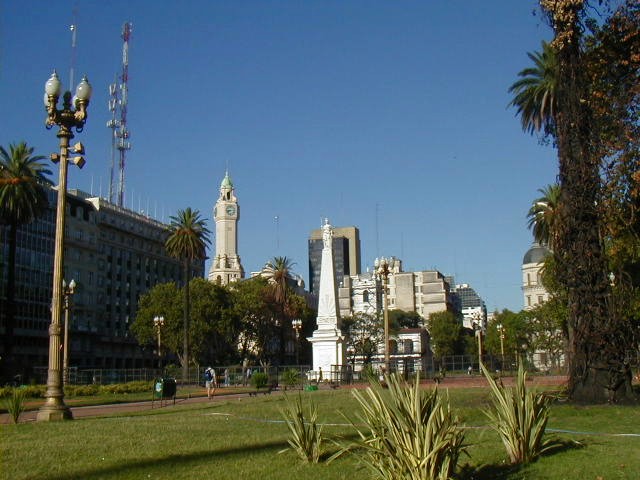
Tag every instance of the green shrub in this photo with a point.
(410, 432)
(259, 380)
(81, 390)
(305, 434)
(291, 377)
(34, 391)
(520, 417)
(15, 403)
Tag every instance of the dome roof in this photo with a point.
(535, 254)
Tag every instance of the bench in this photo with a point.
(264, 391)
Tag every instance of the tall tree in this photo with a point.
(23, 198)
(596, 374)
(364, 333)
(187, 241)
(278, 273)
(543, 215)
(535, 92)
(445, 332)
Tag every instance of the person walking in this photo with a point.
(210, 382)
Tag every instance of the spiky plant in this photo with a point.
(306, 434)
(520, 417)
(410, 432)
(15, 404)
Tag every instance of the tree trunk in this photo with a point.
(185, 323)
(597, 370)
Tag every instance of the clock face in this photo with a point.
(231, 210)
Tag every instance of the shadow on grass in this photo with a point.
(505, 470)
(168, 462)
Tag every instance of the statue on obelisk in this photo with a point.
(327, 341)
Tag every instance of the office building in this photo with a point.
(346, 255)
(114, 255)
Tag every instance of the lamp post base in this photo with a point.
(54, 413)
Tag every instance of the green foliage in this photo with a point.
(446, 333)
(213, 329)
(30, 391)
(410, 432)
(129, 387)
(305, 437)
(15, 404)
(516, 330)
(364, 333)
(81, 390)
(259, 380)
(291, 377)
(520, 417)
(400, 319)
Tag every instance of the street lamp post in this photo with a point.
(67, 119)
(158, 323)
(478, 330)
(382, 269)
(297, 326)
(67, 292)
(501, 331)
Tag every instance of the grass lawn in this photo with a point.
(240, 439)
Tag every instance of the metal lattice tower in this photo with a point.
(118, 124)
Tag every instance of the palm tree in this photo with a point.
(278, 273)
(535, 93)
(23, 198)
(543, 215)
(187, 241)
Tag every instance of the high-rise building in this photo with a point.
(226, 266)
(474, 310)
(346, 255)
(114, 255)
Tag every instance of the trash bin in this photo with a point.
(310, 388)
(164, 388)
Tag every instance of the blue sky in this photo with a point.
(390, 116)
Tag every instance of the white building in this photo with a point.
(533, 291)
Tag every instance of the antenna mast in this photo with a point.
(118, 108)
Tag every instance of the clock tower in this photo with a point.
(226, 267)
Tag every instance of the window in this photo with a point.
(540, 299)
(528, 300)
(365, 296)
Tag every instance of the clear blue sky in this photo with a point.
(320, 109)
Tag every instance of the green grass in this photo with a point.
(239, 439)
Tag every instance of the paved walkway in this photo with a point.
(119, 408)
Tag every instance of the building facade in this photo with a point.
(533, 291)
(114, 255)
(225, 265)
(346, 255)
(472, 307)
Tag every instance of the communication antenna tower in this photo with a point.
(118, 124)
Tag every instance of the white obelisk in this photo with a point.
(327, 341)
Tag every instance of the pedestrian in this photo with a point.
(210, 382)
(469, 370)
(226, 377)
(320, 374)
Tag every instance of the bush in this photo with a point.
(306, 435)
(291, 377)
(410, 432)
(81, 390)
(259, 380)
(15, 403)
(520, 417)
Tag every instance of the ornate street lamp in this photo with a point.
(67, 119)
(382, 270)
(297, 326)
(477, 326)
(158, 323)
(501, 331)
(67, 292)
